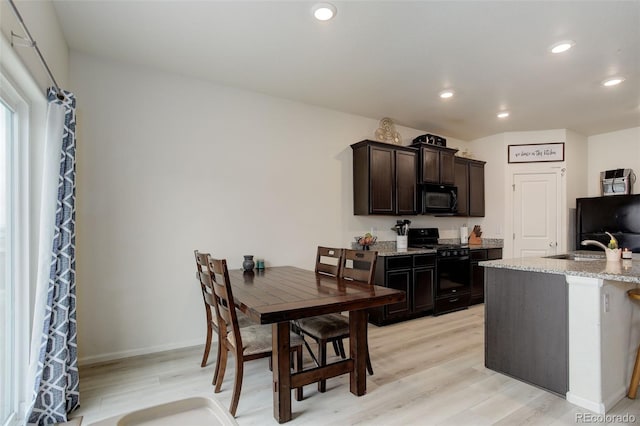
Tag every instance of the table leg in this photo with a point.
(281, 359)
(358, 351)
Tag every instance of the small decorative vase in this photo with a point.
(613, 255)
(248, 264)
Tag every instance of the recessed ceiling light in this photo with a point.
(613, 81)
(503, 114)
(324, 11)
(562, 46)
(446, 94)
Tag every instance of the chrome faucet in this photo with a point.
(593, 243)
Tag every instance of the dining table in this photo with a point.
(278, 295)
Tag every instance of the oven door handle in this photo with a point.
(453, 259)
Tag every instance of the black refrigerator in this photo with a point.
(616, 214)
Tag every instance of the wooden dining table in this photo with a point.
(278, 295)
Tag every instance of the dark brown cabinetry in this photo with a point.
(527, 326)
(477, 271)
(413, 274)
(469, 179)
(436, 164)
(384, 179)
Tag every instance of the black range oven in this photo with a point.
(453, 270)
(453, 279)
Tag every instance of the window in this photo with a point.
(14, 258)
(7, 281)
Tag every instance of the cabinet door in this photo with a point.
(406, 182)
(399, 280)
(423, 281)
(476, 190)
(461, 169)
(447, 174)
(382, 181)
(477, 283)
(430, 166)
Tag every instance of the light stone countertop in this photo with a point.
(594, 267)
(391, 250)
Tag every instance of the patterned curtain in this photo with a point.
(56, 387)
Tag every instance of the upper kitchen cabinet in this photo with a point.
(469, 179)
(436, 164)
(384, 179)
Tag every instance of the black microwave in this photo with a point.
(439, 199)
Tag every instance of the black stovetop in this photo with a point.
(427, 238)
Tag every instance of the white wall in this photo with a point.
(615, 150)
(167, 165)
(499, 176)
(42, 21)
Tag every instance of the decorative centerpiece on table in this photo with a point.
(366, 241)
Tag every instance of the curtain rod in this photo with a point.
(32, 43)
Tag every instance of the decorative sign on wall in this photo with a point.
(536, 153)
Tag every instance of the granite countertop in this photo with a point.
(392, 251)
(592, 265)
(388, 248)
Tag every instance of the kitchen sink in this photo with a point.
(576, 257)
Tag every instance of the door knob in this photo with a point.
(554, 244)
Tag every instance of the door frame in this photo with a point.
(559, 169)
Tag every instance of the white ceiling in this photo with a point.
(392, 58)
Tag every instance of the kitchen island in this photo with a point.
(564, 324)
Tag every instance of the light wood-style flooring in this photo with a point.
(428, 371)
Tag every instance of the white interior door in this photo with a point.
(535, 214)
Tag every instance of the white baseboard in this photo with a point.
(596, 407)
(94, 359)
(616, 397)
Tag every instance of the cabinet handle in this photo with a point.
(454, 300)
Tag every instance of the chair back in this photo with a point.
(359, 265)
(225, 306)
(329, 261)
(202, 274)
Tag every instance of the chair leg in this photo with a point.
(207, 346)
(635, 377)
(343, 355)
(369, 367)
(306, 344)
(366, 345)
(222, 368)
(299, 365)
(322, 358)
(237, 386)
(217, 369)
(336, 348)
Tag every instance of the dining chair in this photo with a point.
(328, 262)
(246, 344)
(202, 274)
(355, 265)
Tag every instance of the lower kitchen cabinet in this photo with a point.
(413, 274)
(477, 271)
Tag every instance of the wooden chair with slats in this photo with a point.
(202, 274)
(246, 344)
(354, 265)
(328, 262)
